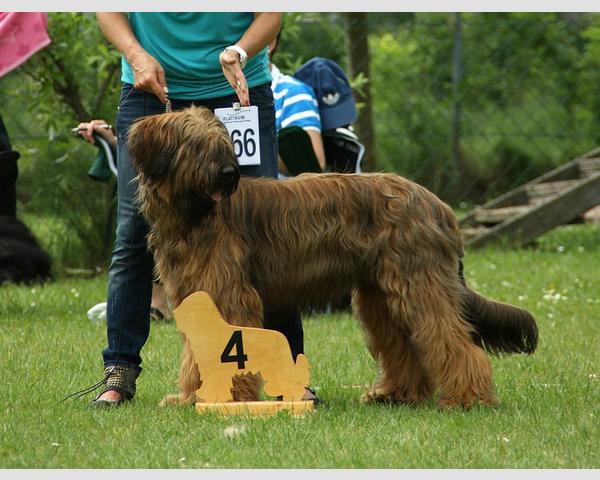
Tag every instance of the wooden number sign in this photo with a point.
(222, 351)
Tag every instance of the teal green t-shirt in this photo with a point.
(187, 45)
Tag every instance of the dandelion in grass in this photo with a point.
(554, 296)
(234, 431)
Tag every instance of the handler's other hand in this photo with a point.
(87, 130)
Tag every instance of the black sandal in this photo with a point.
(121, 379)
(156, 315)
(315, 399)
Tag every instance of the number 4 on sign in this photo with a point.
(222, 351)
(240, 357)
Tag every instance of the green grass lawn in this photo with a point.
(548, 418)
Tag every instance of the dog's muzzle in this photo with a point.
(229, 177)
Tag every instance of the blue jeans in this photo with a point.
(131, 270)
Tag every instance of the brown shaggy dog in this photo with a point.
(262, 245)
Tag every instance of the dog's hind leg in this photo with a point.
(430, 306)
(402, 378)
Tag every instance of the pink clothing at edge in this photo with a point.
(21, 35)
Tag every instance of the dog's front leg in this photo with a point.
(189, 379)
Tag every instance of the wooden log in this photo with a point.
(558, 210)
(589, 166)
(471, 232)
(518, 196)
(548, 188)
(498, 215)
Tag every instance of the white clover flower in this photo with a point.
(234, 431)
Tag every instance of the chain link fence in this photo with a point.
(471, 105)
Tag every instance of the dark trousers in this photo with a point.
(8, 175)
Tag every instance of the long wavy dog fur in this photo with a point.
(262, 245)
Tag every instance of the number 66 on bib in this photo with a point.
(242, 125)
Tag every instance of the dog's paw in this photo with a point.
(467, 402)
(397, 398)
(373, 397)
(169, 400)
(178, 400)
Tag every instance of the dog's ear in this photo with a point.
(149, 149)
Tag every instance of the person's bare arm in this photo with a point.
(281, 167)
(317, 143)
(147, 71)
(257, 36)
(319, 149)
(260, 33)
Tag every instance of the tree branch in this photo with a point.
(105, 84)
(70, 89)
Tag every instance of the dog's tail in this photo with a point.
(500, 327)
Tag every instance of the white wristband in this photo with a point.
(242, 53)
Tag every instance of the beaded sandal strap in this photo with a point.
(122, 379)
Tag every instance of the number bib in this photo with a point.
(242, 125)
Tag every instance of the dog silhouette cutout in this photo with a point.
(222, 351)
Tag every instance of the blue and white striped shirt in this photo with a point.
(295, 102)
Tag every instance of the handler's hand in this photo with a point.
(148, 74)
(87, 130)
(230, 63)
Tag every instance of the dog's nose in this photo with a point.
(228, 173)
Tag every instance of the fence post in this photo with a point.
(457, 66)
(357, 45)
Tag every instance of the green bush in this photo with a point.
(74, 79)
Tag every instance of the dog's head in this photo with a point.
(185, 157)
